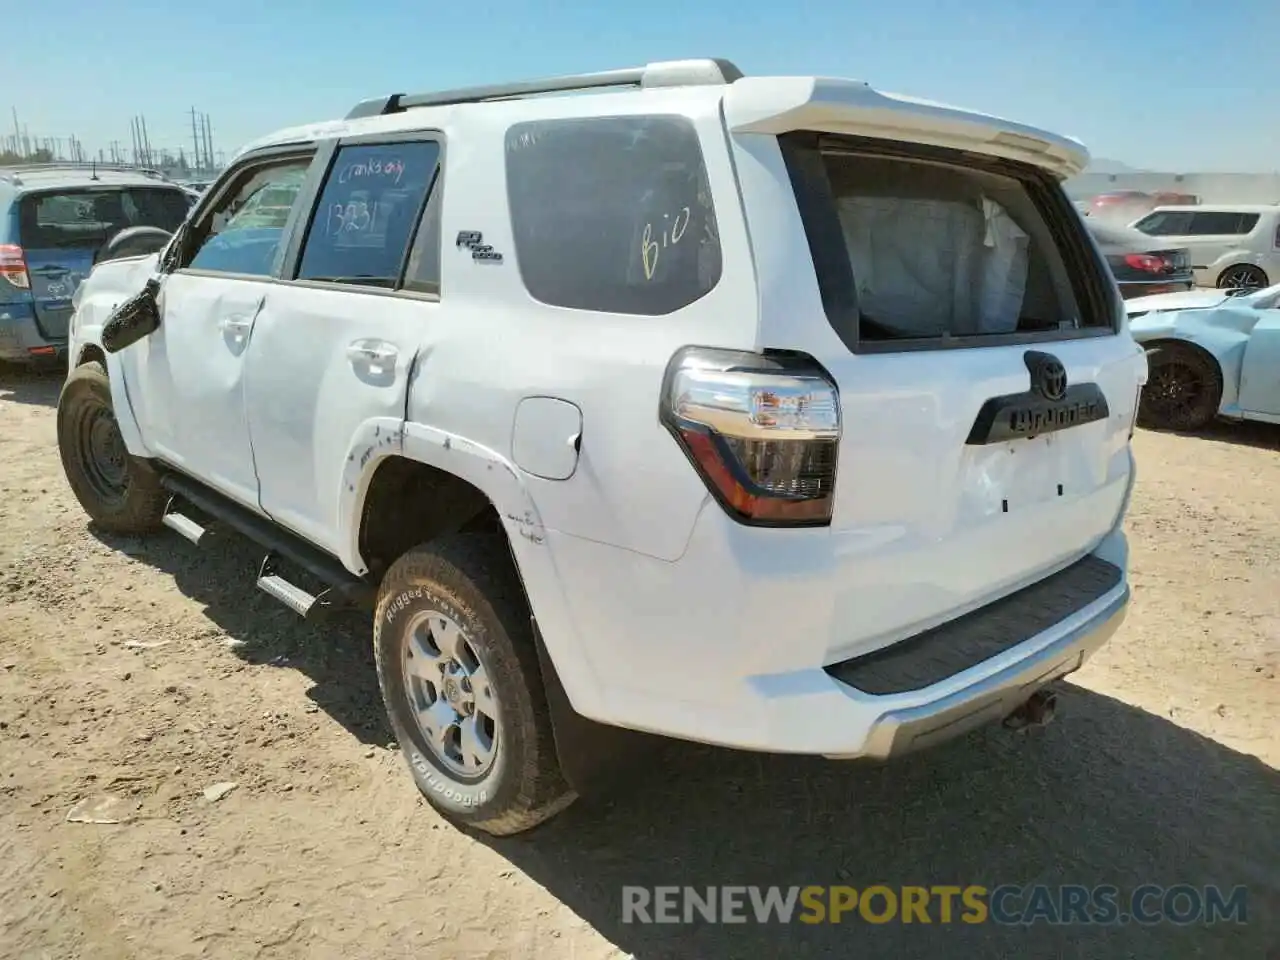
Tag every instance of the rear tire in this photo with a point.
(119, 492)
(1184, 388)
(1243, 276)
(458, 669)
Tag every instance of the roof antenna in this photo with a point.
(93, 173)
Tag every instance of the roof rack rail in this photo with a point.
(667, 73)
(93, 165)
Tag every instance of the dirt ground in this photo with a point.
(150, 670)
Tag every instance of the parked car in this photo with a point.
(53, 219)
(1232, 246)
(1124, 206)
(639, 407)
(1210, 355)
(1142, 266)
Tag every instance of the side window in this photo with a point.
(612, 214)
(369, 206)
(1247, 222)
(244, 232)
(1276, 244)
(1218, 224)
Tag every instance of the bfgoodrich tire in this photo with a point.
(119, 492)
(458, 669)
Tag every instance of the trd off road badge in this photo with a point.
(481, 252)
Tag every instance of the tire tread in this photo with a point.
(477, 568)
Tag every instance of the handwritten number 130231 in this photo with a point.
(672, 230)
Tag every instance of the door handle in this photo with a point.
(372, 352)
(236, 326)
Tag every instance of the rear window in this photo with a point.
(1166, 223)
(612, 214)
(1110, 235)
(923, 247)
(90, 217)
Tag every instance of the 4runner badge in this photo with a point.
(473, 240)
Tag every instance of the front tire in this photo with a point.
(119, 492)
(458, 669)
(1184, 388)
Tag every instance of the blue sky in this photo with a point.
(1169, 85)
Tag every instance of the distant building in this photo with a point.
(1209, 187)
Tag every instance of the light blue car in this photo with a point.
(1210, 354)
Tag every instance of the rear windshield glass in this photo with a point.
(939, 250)
(88, 218)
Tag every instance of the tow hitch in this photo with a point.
(1036, 712)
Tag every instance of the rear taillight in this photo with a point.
(13, 266)
(763, 431)
(1148, 263)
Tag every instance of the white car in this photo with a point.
(770, 412)
(1233, 246)
(1209, 354)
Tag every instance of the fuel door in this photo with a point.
(546, 437)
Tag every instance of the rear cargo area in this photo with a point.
(986, 398)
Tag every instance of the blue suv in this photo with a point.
(53, 220)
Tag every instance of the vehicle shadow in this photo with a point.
(336, 654)
(1250, 433)
(1246, 433)
(37, 386)
(1108, 794)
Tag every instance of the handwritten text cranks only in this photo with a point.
(392, 170)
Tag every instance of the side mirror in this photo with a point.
(134, 319)
(133, 242)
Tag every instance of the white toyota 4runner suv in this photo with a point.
(770, 412)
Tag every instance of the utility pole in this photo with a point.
(208, 143)
(146, 142)
(195, 137)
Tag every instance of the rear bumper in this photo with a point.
(734, 647)
(21, 340)
(1129, 289)
(994, 695)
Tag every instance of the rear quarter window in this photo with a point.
(612, 214)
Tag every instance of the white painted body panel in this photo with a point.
(186, 380)
(630, 566)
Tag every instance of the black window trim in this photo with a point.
(218, 191)
(802, 156)
(307, 212)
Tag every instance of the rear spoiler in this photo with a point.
(777, 105)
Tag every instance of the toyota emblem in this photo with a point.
(1048, 375)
